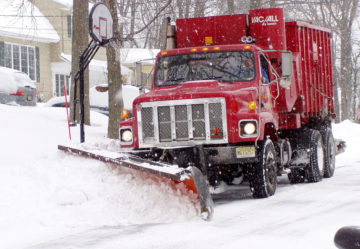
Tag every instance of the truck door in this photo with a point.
(266, 88)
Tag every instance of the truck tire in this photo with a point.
(329, 147)
(315, 170)
(296, 176)
(264, 175)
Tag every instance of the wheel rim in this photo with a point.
(271, 169)
(320, 157)
(331, 153)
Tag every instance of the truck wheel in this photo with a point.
(296, 176)
(315, 170)
(263, 177)
(329, 147)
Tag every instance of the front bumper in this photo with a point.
(231, 154)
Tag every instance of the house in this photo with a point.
(36, 39)
(129, 58)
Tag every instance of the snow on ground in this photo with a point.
(52, 200)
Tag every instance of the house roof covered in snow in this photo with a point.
(67, 3)
(131, 55)
(97, 65)
(26, 22)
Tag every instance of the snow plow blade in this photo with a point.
(192, 177)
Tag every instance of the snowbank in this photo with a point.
(52, 200)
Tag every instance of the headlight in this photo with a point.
(126, 135)
(248, 128)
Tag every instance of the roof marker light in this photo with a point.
(208, 40)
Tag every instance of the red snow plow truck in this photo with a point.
(239, 97)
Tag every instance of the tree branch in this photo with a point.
(130, 36)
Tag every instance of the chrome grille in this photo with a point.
(164, 123)
(147, 130)
(182, 122)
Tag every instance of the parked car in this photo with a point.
(16, 88)
(99, 98)
(98, 101)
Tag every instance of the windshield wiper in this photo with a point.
(173, 81)
(220, 79)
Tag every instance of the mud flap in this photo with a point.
(192, 177)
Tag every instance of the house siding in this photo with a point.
(44, 76)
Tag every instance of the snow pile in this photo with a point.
(31, 26)
(50, 199)
(46, 192)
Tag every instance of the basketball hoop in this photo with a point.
(101, 23)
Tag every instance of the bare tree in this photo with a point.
(255, 4)
(80, 39)
(230, 7)
(114, 74)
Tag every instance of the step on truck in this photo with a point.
(246, 96)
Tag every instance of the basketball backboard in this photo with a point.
(101, 23)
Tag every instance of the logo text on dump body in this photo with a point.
(265, 21)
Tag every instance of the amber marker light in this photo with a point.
(216, 48)
(247, 47)
(194, 50)
(205, 49)
(252, 105)
(208, 40)
(125, 114)
(164, 53)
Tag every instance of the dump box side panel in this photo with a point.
(315, 84)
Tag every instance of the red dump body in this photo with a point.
(311, 92)
(311, 46)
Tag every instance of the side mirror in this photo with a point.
(287, 64)
(138, 77)
(138, 74)
(347, 237)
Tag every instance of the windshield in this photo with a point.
(225, 66)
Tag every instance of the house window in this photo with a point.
(69, 25)
(16, 57)
(31, 52)
(21, 57)
(24, 59)
(8, 57)
(60, 81)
